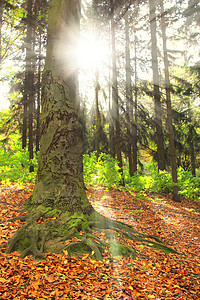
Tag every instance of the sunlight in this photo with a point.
(4, 90)
(91, 52)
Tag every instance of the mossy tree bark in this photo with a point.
(60, 172)
(58, 208)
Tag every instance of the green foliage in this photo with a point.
(101, 170)
(14, 162)
(189, 186)
(104, 170)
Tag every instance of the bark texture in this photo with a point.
(60, 170)
(156, 91)
(115, 98)
(172, 149)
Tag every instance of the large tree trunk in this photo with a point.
(156, 91)
(173, 163)
(60, 170)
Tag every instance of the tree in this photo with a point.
(115, 96)
(129, 100)
(58, 208)
(176, 196)
(156, 91)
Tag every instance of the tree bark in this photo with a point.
(192, 150)
(172, 150)
(38, 94)
(156, 91)
(27, 93)
(31, 92)
(135, 103)
(129, 100)
(115, 103)
(97, 115)
(60, 170)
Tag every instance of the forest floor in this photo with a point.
(153, 275)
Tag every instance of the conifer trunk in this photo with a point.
(135, 103)
(38, 95)
(192, 150)
(173, 163)
(97, 115)
(115, 101)
(156, 91)
(129, 100)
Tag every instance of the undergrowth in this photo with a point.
(15, 163)
(101, 170)
(104, 170)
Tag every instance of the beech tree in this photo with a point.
(58, 208)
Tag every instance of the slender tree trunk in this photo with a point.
(172, 150)
(38, 95)
(129, 100)
(135, 149)
(156, 91)
(110, 113)
(97, 115)
(28, 75)
(30, 78)
(115, 104)
(192, 150)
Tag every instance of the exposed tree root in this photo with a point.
(46, 232)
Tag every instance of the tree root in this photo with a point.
(34, 237)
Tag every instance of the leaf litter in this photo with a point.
(153, 275)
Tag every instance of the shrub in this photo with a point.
(101, 170)
(14, 162)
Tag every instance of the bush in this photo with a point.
(102, 170)
(14, 162)
(189, 186)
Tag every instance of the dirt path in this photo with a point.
(177, 224)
